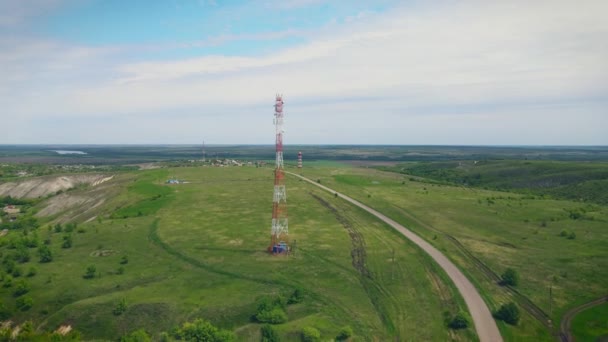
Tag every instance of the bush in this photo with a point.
(67, 241)
(45, 254)
(459, 321)
(273, 316)
(508, 313)
(8, 281)
(269, 334)
(32, 271)
(136, 336)
(310, 334)
(21, 287)
(90, 272)
(510, 277)
(24, 303)
(296, 297)
(22, 254)
(124, 260)
(201, 330)
(120, 308)
(345, 333)
(571, 236)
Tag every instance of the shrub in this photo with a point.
(508, 313)
(24, 303)
(22, 254)
(21, 287)
(273, 316)
(310, 334)
(120, 308)
(124, 260)
(510, 277)
(296, 297)
(58, 228)
(90, 272)
(201, 330)
(269, 334)
(563, 233)
(45, 254)
(67, 241)
(32, 271)
(8, 281)
(345, 333)
(571, 236)
(136, 336)
(459, 321)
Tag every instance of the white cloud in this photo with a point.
(500, 60)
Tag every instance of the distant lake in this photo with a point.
(68, 152)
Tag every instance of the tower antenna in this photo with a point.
(279, 229)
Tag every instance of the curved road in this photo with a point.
(482, 317)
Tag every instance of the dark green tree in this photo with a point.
(510, 277)
(310, 334)
(459, 321)
(269, 334)
(67, 241)
(508, 313)
(45, 254)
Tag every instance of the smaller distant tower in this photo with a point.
(299, 160)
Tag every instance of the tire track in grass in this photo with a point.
(486, 327)
(566, 325)
(155, 239)
(359, 256)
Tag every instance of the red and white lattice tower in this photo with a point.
(299, 160)
(279, 230)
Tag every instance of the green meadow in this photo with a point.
(553, 244)
(156, 255)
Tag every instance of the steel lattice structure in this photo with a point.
(279, 229)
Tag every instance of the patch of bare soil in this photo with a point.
(102, 253)
(44, 186)
(64, 330)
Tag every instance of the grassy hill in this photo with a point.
(197, 250)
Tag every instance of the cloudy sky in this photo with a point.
(352, 72)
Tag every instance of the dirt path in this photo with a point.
(486, 327)
(566, 325)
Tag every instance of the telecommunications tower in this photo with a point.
(299, 160)
(279, 230)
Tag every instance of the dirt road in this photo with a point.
(566, 326)
(482, 317)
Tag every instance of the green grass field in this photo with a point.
(502, 230)
(198, 250)
(591, 325)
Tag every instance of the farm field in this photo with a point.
(557, 244)
(197, 250)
